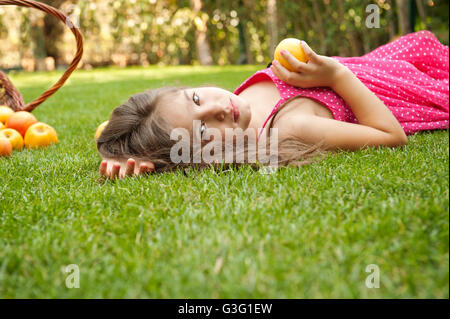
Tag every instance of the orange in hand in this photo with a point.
(21, 121)
(40, 135)
(293, 46)
(14, 137)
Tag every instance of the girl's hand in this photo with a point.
(318, 71)
(113, 168)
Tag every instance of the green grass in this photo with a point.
(298, 233)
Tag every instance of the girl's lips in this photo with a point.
(235, 111)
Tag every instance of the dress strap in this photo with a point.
(269, 117)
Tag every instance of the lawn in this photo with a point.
(298, 233)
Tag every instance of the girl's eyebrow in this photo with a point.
(186, 95)
(189, 100)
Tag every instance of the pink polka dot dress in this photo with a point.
(410, 75)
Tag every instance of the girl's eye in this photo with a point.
(202, 129)
(196, 99)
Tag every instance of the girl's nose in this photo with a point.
(219, 111)
(220, 116)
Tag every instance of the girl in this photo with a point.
(328, 103)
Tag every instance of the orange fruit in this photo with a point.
(5, 147)
(100, 129)
(14, 137)
(21, 121)
(293, 46)
(5, 113)
(40, 135)
(2, 126)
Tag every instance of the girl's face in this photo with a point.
(213, 107)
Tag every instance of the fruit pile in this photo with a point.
(19, 129)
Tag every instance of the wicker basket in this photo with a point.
(8, 93)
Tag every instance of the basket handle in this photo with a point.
(73, 65)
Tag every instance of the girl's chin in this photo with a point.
(245, 119)
(248, 112)
(244, 111)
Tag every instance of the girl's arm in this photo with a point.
(324, 71)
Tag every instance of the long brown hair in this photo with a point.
(136, 130)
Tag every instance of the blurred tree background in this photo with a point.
(172, 32)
